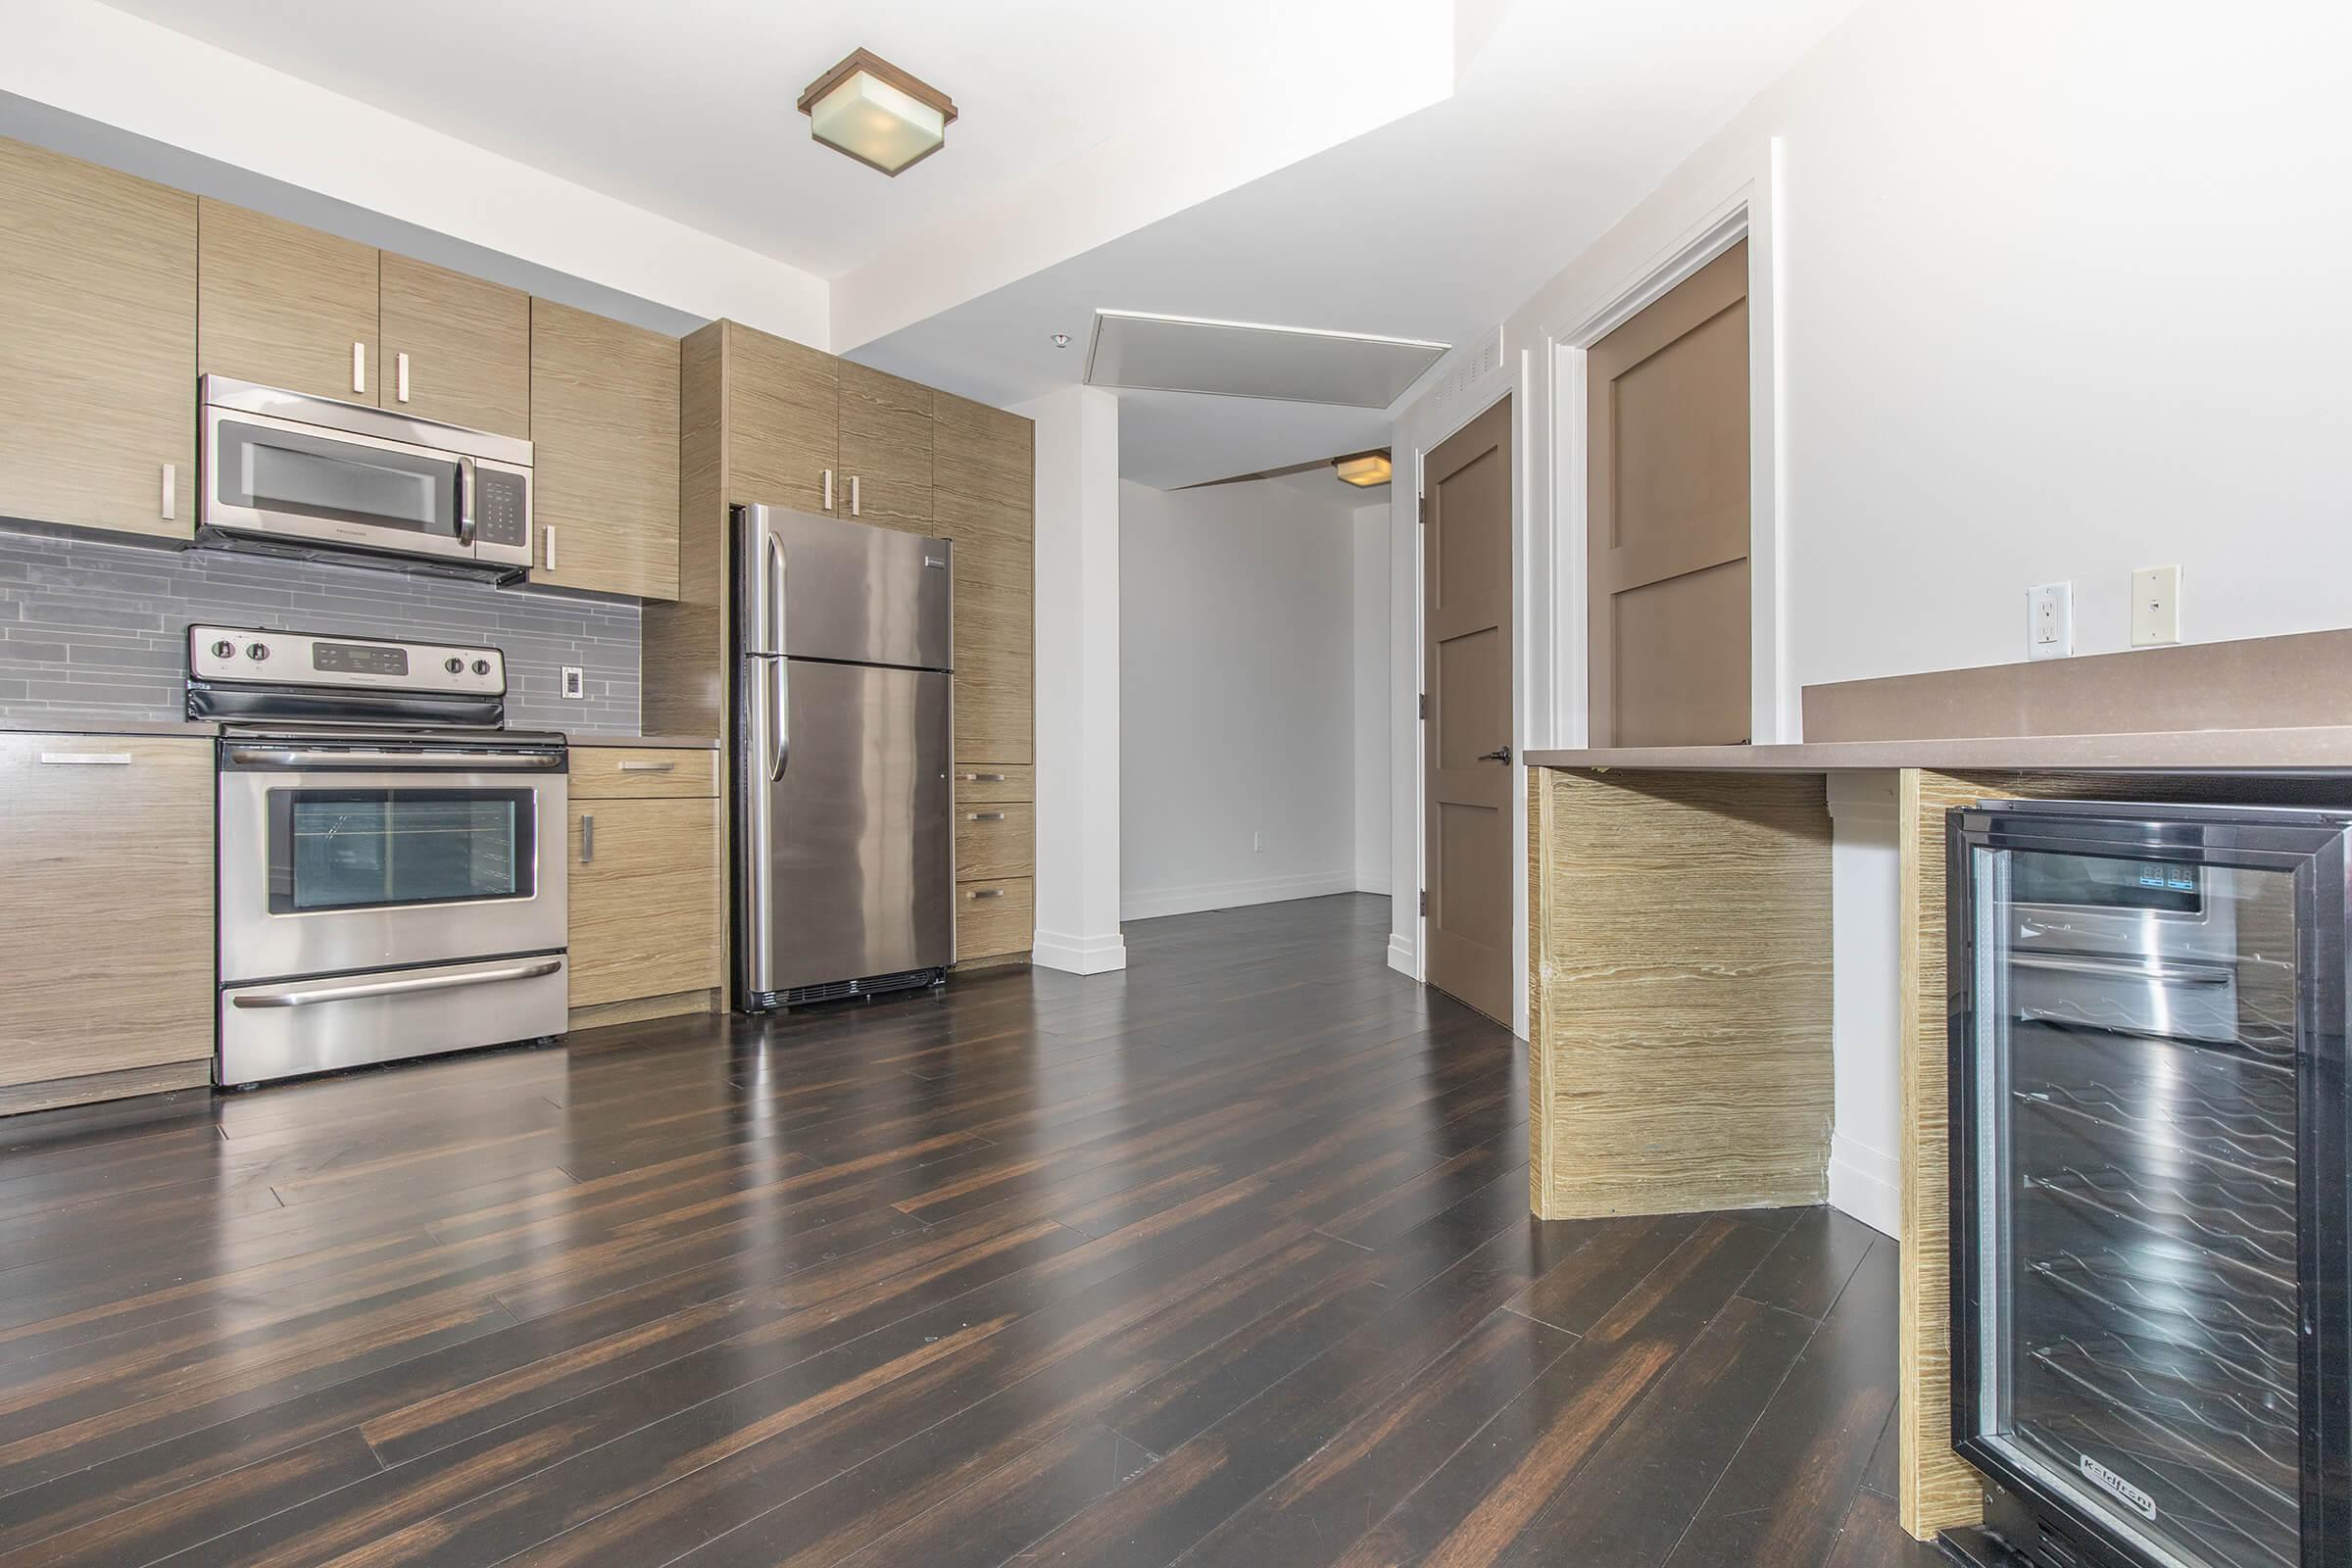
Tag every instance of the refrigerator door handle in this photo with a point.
(774, 583)
(782, 675)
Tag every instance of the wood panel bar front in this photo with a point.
(1679, 1009)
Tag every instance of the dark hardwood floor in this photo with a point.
(1223, 1261)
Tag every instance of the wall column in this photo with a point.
(1078, 682)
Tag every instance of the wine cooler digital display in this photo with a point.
(2148, 1177)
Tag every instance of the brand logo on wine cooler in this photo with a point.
(2107, 1480)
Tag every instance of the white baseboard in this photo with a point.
(1867, 1184)
(1151, 903)
(1372, 882)
(1099, 955)
(1400, 957)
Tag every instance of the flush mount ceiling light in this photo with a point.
(877, 114)
(1363, 469)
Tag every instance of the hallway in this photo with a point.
(1225, 1259)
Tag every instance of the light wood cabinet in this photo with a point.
(995, 840)
(457, 349)
(97, 346)
(783, 423)
(645, 881)
(622, 772)
(605, 453)
(983, 488)
(993, 919)
(885, 449)
(284, 305)
(108, 954)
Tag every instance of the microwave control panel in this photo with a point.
(502, 506)
(245, 656)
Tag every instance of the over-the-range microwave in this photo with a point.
(292, 473)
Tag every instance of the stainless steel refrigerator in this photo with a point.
(845, 867)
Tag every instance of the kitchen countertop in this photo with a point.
(206, 729)
(655, 742)
(2317, 749)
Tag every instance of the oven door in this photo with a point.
(341, 858)
(284, 479)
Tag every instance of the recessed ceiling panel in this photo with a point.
(1242, 360)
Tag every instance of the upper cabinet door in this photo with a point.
(885, 449)
(604, 454)
(97, 346)
(456, 348)
(985, 494)
(285, 306)
(783, 425)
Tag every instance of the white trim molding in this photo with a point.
(1078, 954)
(1151, 903)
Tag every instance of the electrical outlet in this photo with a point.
(2050, 620)
(2155, 606)
(576, 681)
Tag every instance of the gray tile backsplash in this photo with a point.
(99, 631)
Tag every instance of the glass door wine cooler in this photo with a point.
(2150, 1254)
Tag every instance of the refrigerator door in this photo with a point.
(848, 857)
(817, 587)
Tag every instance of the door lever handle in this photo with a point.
(1501, 754)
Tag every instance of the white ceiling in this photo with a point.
(1432, 227)
(686, 110)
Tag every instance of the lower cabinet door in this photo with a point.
(108, 950)
(644, 899)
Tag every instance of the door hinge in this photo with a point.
(1424, 704)
(1423, 512)
(1425, 901)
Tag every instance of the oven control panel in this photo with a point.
(242, 653)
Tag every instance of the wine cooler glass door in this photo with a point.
(2136, 1081)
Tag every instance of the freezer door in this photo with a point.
(849, 853)
(815, 587)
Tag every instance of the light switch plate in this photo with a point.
(2050, 620)
(576, 681)
(2155, 606)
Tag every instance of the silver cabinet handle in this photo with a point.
(854, 495)
(359, 367)
(170, 490)
(984, 778)
(649, 767)
(984, 893)
(86, 759)
(400, 375)
(828, 507)
(551, 547)
(984, 816)
(587, 837)
(392, 988)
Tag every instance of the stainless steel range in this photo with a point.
(391, 872)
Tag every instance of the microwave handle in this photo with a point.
(466, 502)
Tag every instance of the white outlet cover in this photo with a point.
(2050, 620)
(576, 681)
(2155, 606)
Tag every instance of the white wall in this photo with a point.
(1370, 527)
(1237, 672)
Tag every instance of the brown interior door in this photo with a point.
(1466, 661)
(1667, 491)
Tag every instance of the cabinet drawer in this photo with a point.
(625, 772)
(992, 919)
(995, 781)
(995, 840)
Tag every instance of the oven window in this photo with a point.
(341, 481)
(372, 849)
(2088, 882)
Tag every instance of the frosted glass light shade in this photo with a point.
(1364, 469)
(876, 123)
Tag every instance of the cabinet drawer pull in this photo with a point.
(587, 838)
(86, 759)
(828, 506)
(984, 893)
(984, 778)
(854, 495)
(984, 816)
(171, 491)
(649, 767)
(551, 547)
(400, 375)
(359, 367)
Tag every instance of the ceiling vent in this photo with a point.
(1240, 359)
(1477, 361)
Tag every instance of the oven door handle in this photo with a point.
(2176, 974)
(393, 988)
(476, 762)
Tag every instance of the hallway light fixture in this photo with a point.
(877, 114)
(1363, 469)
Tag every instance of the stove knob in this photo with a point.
(481, 666)
(456, 667)
(225, 649)
(258, 652)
